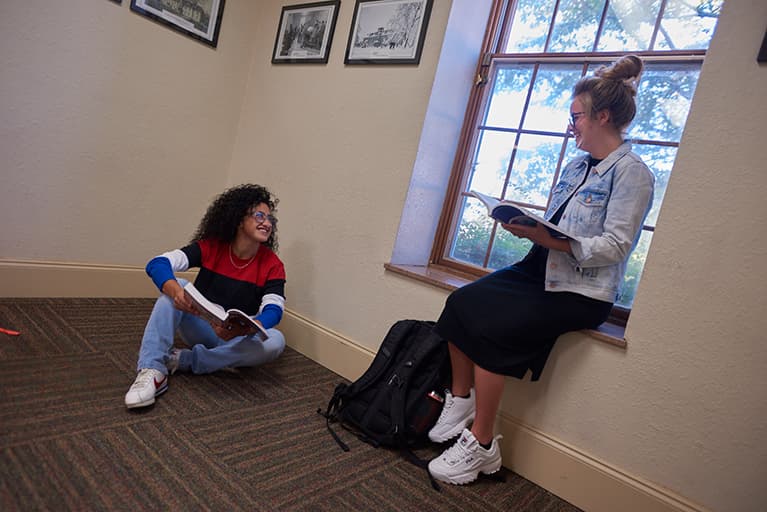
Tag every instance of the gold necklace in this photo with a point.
(239, 267)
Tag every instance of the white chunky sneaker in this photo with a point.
(465, 460)
(456, 415)
(149, 383)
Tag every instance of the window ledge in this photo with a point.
(449, 279)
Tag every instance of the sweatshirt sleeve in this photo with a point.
(162, 268)
(273, 301)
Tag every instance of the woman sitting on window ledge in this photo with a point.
(507, 322)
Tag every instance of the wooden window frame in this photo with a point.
(496, 35)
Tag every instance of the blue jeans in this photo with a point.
(208, 353)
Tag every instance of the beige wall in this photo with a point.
(101, 136)
(112, 125)
(337, 143)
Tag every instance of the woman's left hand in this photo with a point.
(538, 234)
(230, 331)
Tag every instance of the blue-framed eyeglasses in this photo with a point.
(574, 116)
(262, 217)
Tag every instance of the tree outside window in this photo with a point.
(515, 138)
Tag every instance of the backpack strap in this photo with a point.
(414, 459)
(331, 413)
(340, 443)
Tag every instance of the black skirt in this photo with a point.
(507, 323)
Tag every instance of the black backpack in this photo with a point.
(399, 397)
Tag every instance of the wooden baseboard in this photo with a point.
(568, 472)
(22, 278)
(571, 474)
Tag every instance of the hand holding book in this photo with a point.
(230, 330)
(511, 212)
(227, 323)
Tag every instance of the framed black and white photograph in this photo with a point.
(198, 19)
(388, 31)
(305, 33)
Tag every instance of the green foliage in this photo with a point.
(522, 140)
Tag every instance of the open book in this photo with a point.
(511, 212)
(217, 315)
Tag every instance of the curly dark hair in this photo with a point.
(227, 210)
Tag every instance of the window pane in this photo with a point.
(659, 159)
(507, 249)
(663, 101)
(575, 26)
(550, 100)
(629, 25)
(509, 94)
(530, 26)
(492, 162)
(532, 173)
(520, 140)
(473, 235)
(634, 270)
(688, 25)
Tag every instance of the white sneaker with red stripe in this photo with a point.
(149, 383)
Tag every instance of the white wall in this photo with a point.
(670, 409)
(104, 133)
(116, 131)
(337, 144)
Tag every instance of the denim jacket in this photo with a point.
(605, 215)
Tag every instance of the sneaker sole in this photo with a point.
(467, 478)
(145, 403)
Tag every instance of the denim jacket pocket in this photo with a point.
(592, 203)
(592, 197)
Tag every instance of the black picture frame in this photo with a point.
(200, 20)
(388, 31)
(762, 57)
(305, 33)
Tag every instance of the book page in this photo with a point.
(213, 310)
(239, 317)
(488, 201)
(511, 212)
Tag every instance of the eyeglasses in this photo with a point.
(262, 217)
(574, 116)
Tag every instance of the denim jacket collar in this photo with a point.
(603, 166)
(579, 166)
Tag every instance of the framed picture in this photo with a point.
(198, 19)
(388, 31)
(305, 32)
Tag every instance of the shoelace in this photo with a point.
(456, 452)
(143, 377)
(446, 409)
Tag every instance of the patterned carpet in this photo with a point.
(244, 440)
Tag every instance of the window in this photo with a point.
(515, 141)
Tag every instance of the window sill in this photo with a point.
(449, 279)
